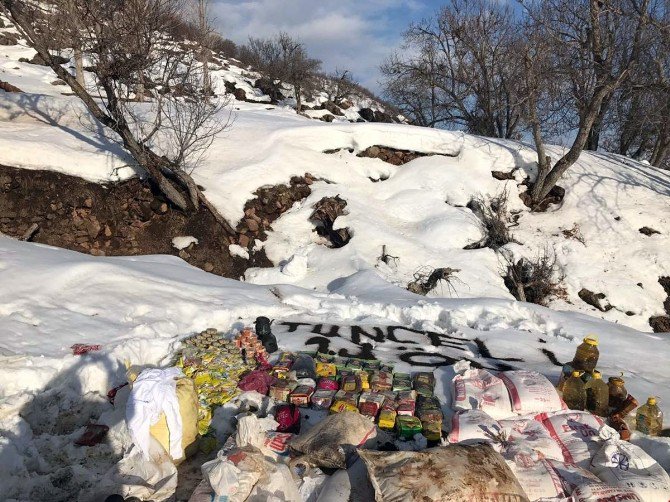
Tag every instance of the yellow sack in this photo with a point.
(188, 409)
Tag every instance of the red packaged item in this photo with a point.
(327, 384)
(389, 400)
(288, 417)
(381, 381)
(322, 399)
(79, 349)
(257, 380)
(301, 395)
(368, 408)
(406, 402)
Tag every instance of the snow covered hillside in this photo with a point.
(415, 211)
(138, 309)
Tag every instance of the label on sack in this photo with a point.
(576, 432)
(278, 442)
(479, 389)
(531, 392)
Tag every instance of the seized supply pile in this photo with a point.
(318, 427)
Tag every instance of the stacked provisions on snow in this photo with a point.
(377, 432)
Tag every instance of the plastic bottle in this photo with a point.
(597, 395)
(586, 356)
(618, 392)
(574, 393)
(649, 418)
(566, 371)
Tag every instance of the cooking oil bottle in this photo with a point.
(574, 393)
(618, 392)
(649, 418)
(597, 395)
(586, 356)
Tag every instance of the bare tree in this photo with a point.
(204, 38)
(123, 41)
(454, 69)
(595, 45)
(339, 86)
(282, 58)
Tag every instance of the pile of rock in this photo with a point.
(391, 155)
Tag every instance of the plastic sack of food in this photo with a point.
(600, 492)
(473, 426)
(304, 367)
(323, 399)
(331, 441)
(536, 476)
(276, 485)
(525, 433)
(324, 369)
(619, 463)
(576, 432)
(288, 417)
(531, 392)
(232, 476)
(411, 476)
(277, 442)
(477, 389)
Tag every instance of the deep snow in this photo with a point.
(138, 308)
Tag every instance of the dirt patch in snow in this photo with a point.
(648, 231)
(661, 323)
(268, 205)
(593, 299)
(127, 218)
(391, 155)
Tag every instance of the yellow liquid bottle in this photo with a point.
(649, 418)
(587, 354)
(574, 393)
(597, 395)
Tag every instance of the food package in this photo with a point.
(406, 402)
(350, 383)
(370, 403)
(387, 419)
(576, 432)
(424, 383)
(477, 389)
(389, 400)
(432, 430)
(402, 381)
(365, 380)
(407, 426)
(301, 395)
(340, 406)
(304, 367)
(325, 383)
(381, 381)
(531, 392)
(428, 409)
(323, 399)
(281, 390)
(325, 369)
(354, 365)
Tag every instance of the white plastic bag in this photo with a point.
(277, 485)
(477, 389)
(528, 434)
(599, 492)
(619, 463)
(232, 476)
(531, 392)
(331, 441)
(535, 476)
(473, 426)
(576, 432)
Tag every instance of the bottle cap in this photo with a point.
(576, 373)
(597, 374)
(651, 401)
(591, 341)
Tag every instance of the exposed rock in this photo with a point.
(327, 118)
(502, 175)
(593, 299)
(272, 89)
(8, 39)
(37, 59)
(244, 240)
(555, 196)
(323, 217)
(660, 323)
(208, 267)
(239, 94)
(7, 87)
(58, 82)
(252, 224)
(392, 155)
(648, 231)
(367, 114)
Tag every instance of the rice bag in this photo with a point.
(626, 465)
(531, 392)
(576, 432)
(528, 434)
(600, 492)
(477, 389)
(472, 426)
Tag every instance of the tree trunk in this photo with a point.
(593, 140)
(298, 98)
(178, 190)
(79, 67)
(540, 191)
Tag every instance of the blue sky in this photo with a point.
(352, 34)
